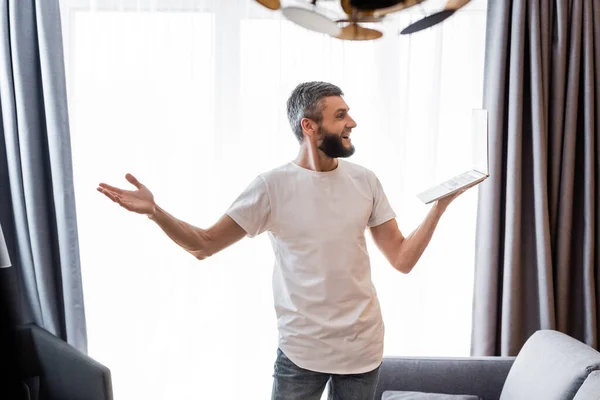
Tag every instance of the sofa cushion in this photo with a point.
(590, 389)
(399, 395)
(550, 366)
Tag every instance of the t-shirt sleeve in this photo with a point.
(382, 211)
(252, 209)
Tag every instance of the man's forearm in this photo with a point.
(191, 238)
(412, 247)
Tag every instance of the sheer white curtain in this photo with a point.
(189, 96)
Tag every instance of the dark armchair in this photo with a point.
(51, 369)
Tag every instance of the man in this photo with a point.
(316, 210)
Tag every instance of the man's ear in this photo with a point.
(309, 127)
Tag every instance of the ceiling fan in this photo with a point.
(311, 15)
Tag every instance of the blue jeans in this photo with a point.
(290, 382)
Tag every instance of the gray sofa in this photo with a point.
(550, 366)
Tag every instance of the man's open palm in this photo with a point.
(140, 201)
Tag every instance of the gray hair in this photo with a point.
(306, 101)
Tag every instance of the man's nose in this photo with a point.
(352, 123)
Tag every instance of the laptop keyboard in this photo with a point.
(459, 180)
(448, 186)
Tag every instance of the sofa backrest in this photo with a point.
(590, 390)
(50, 369)
(550, 366)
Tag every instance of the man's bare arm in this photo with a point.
(199, 242)
(404, 253)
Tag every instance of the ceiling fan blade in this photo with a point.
(346, 6)
(357, 32)
(311, 20)
(427, 22)
(380, 12)
(354, 13)
(374, 4)
(270, 4)
(451, 7)
(364, 20)
(455, 4)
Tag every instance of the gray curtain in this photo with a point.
(4, 256)
(538, 231)
(34, 135)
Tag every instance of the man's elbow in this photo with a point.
(403, 267)
(201, 255)
(402, 260)
(204, 250)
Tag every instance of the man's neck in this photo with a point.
(310, 157)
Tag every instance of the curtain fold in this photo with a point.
(35, 135)
(537, 262)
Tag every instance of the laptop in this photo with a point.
(477, 174)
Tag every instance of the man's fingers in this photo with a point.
(111, 188)
(133, 180)
(116, 198)
(130, 178)
(461, 191)
(108, 194)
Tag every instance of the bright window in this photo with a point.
(190, 97)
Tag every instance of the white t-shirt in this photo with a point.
(327, 309)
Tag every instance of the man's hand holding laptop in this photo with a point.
(444, 202)
(451, 188)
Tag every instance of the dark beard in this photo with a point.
(333, 146)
